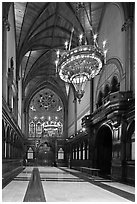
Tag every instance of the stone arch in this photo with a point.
(116, 68)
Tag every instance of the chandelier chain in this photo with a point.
(78, 65)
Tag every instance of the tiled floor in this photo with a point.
(65, 185)
(16, 189)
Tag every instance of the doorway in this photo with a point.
(104, 150)
(45, 155)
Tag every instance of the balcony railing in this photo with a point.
(111, 102)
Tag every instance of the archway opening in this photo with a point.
(45, 155)
(104, 150)
(30, 154)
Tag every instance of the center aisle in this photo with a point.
(52, 184)
(59, 185)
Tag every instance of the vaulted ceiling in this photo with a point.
(41, 29)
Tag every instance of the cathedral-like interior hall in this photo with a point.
(68, 102)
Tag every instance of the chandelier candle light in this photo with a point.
(78, 65)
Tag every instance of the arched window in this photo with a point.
(30, 153)
(114, 85)
(80, 151)
(130, 145)
(32, 129)
(83, 149)
(38, 129)
(60, 153)
(75, 152)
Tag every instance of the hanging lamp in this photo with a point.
(78, 65)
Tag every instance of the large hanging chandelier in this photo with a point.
(78, 65)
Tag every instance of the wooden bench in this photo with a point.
(92, 171)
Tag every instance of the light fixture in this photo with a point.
(83, 129)
(78, 65)
(53, 126)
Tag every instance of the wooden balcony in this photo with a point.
(114, 105)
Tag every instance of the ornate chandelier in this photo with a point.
(78, 65)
